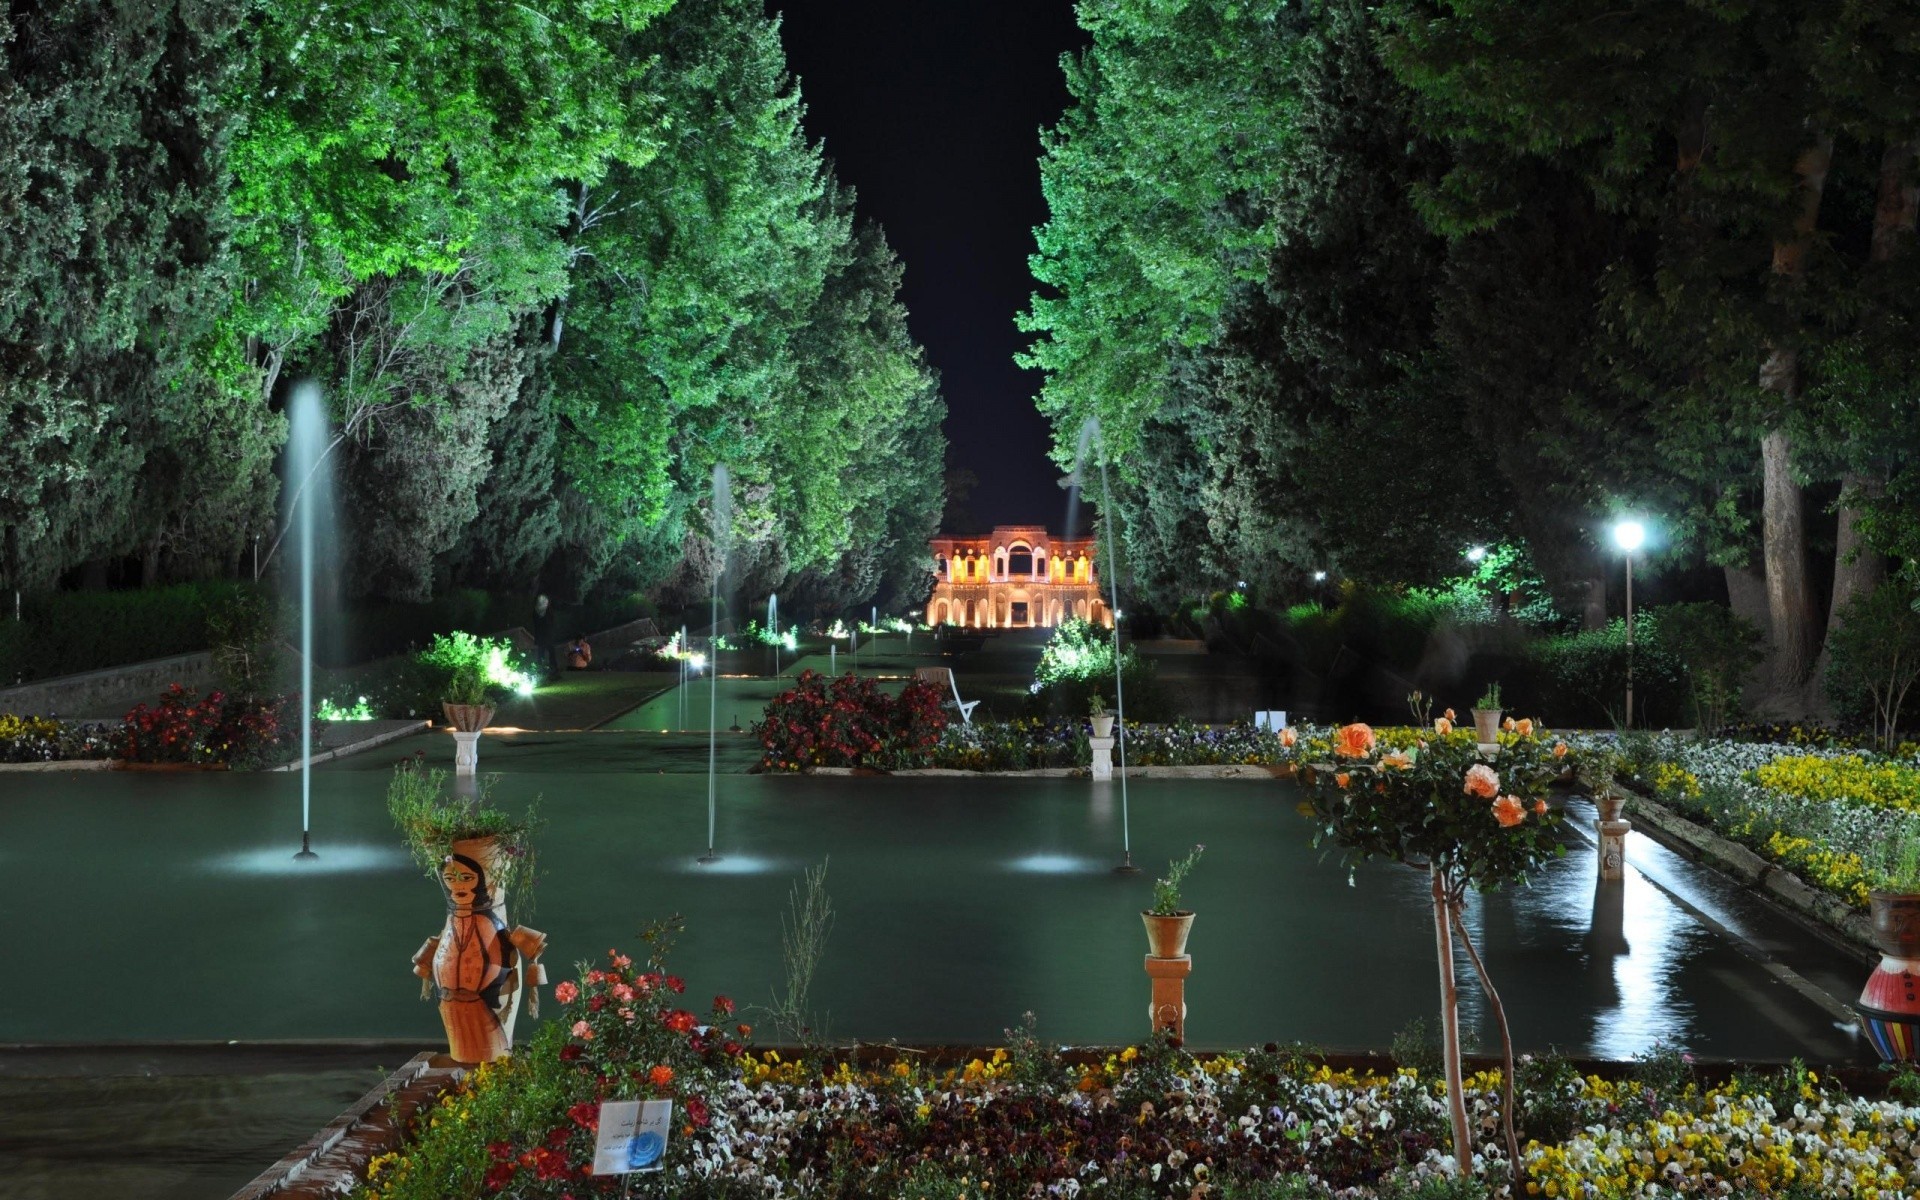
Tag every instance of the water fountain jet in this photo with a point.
(722, 528)
(307, 446)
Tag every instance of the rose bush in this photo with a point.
(850, 722)
(185, 727)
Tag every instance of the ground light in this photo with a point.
(1629, 536)
(1476, 553)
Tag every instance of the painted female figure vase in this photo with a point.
(1888, 1008)
(478, 962)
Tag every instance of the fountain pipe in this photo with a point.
(1126, 866)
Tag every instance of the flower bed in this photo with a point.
(1826, 814)
(849, 722)
(216, 729)
(1148, 1121)
(1027, 744)
(43, 739)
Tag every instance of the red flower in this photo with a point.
(499, 1175)
(680, 1020)
(697, 1111)
(500, 1151)
(585, 1114)
(676, 983)
(723, 1005)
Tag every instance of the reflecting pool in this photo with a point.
(960, 904)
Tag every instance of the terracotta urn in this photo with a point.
(1486, 725)
(1167, 935)
(1889, 1006)
(1103, 726)
(467, 718)
(1610, 803)
(478, 963)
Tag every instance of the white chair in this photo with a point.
(933, 675)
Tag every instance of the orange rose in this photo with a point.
(1340, 779)
(1354, 741)
(1509, 811)
(660, 1076)
(1450, 717)
(1482, 782)
(1524, 727)
(1540, 807)
(1288, 737)
(1507, 724)
(1560, 750)
(1442, 726)
(1399, 760)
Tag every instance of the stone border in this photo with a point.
(406, 729)
(61, 764)
(334, 1160)
(1207, 771)
(1853, 930)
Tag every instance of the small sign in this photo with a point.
(632, 1136)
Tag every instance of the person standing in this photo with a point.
(545, 648)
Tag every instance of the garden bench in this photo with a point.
(939, 675)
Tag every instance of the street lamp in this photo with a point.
(1629, 536)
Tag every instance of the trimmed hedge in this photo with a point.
(64, 633)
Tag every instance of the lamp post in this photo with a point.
(1629, 536)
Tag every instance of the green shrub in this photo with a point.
(64, 633)
(1876, 654)
(1077, 665)
(1581, 678)
(1717, 649)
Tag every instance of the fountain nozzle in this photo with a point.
(306, 846)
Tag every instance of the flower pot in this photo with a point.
(478, 963)
(1103, 726)
(1486, 724)
(1167, 936)
(467, 718)
(1610, 804)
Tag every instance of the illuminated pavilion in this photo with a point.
(1017, 577)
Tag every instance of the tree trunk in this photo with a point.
(1593, 611)
(1507, 1103)
(1450, 1024)
(1784, 544)
(1783, 526)
(1898, 202)
(1857, 567)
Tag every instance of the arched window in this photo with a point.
(999, 564)
(940, 566)
(1040, 563)
(1020, 560)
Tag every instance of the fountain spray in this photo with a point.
(1126, 866)
(722, 527)
(306, 443)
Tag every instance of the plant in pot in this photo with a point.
(1888, 1013)
(465, 700)
(1102, 719)
(479, 963)
(1486, 715)
(1167, 923)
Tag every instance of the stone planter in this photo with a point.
(1889, 1006)
(1610, 804)
(124, 764)
(478, 964)
(467, 718)
(1103, 726)
(1167, 936)
(1486, 725)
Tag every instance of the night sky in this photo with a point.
(932, 109)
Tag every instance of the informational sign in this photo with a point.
(632, 1137)
(1273, 720)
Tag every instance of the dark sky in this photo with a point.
(932, 109)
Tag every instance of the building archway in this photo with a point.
(1040, 562)
(1020, 560)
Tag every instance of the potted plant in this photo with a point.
(1486, 715)
(1102, 719)
(1888, 1012)
(1167, 923)
(465, 699)
(479, 963)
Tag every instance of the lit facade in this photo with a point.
(1017, 577)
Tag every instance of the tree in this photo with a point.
(113, 163)
(1719, 650)
(1876, 649)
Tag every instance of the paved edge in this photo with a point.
(335, 1159)
(1834, 1006)
(1828, 915)
(407, 729)
(61, 764)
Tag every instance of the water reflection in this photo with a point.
(336, 860)
(1055, 864)
(728, 864)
